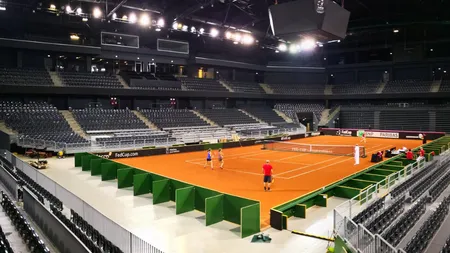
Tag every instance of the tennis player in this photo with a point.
(220, 156)
(209, 157)
(363, 137)
(267, 171)
(356, 154)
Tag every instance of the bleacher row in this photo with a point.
(164, 81)
(393, 216)
(84, 231)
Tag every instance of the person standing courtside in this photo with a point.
(356, 154)
(267, 171)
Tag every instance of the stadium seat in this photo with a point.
(250, 87)
(224, 117)
(25, 77)
(173, 118)
(98, 80)
(202, 84)
(298, 89)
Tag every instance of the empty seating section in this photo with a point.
(90, 80)
(445, 86)
(225, 117)
(245, 87)
(195, 134)
(202, 84)
(405, 120)
(370, 211)
(356, 119)
(150, 138)
(362, 88)
(424, 184)
(165, 76)
(439, 187)
(25, 77)
(264, 113)
(108, 120)
(299, 89)
(22, 226)
(424, 235)
(405, 186)
(407, 86)
(443, 120)
(38, 120)
(396, 233)
(155, 84)
(290, 109)
(381, 222)
(127, 75)
(149, 76)
(173, 118)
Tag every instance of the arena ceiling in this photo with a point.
(371, 21)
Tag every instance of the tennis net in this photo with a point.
(340, 150)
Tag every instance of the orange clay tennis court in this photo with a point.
(295, 174)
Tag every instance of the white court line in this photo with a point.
(232, 156)
(290, 157)
(262, 160)
(323, 167)
(332, 159)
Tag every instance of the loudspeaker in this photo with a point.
(322, 20)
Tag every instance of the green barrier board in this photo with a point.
(232, 208)
(96, 166)
(346, 192)
(161, 191)
(109, 171)
(142, 183)
(125, 178)
(185, 199)
(86, 162)
(300, 211)
(214, 209)
(78, 159)
(174, 185)
(320, 200)
(200, 195)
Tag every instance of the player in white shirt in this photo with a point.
(356, 154)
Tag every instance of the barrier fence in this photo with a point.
(356, 236)
(118, 235)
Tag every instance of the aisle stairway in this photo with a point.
(436, 85)
(381, 87)
(73, 123)
(145, 120)
(122, 81)
(6, 129)
(251, 116)
(224, 84)
(212, 123)
(55, 78)
(284, 116)
(266, 88)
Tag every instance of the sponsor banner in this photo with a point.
(315, 133)
(344, 132)
(412, 137)
(387, 135)
(131, 153)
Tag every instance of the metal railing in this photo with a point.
(259, 134)
(356, 236)
(118, 235)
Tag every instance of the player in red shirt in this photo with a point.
(267, 171)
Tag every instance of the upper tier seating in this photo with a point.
(443, 121)
(225, 117)
(155, 84)
(357, 119)
(38, 120)
(299, 89)
(25, 77)
(445, 86)
(250, 87)
(112, 120)
(407, 86)
(202, 84)
(152, 138)
(264, 113)
(291, 109)
(165, 76)
(362, 88)
(173, 118)
(90, 80)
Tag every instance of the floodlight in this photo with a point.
(79, 11)
(179, 26)
(184, 28)
(282, 47)
(193, 30)
(214, 32)
(2, 8)
(396, 31)
(201, 31)
(97, 13)
(84, 19)
(307, 44)
(114, 16)
(228, 35)
(68, 9)
(175, 25)
(248, 39)
(293, 48)
(74, 37)
(52, 7)
(144, 20)
(160, 22)
(237, 37)
(133, 18)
